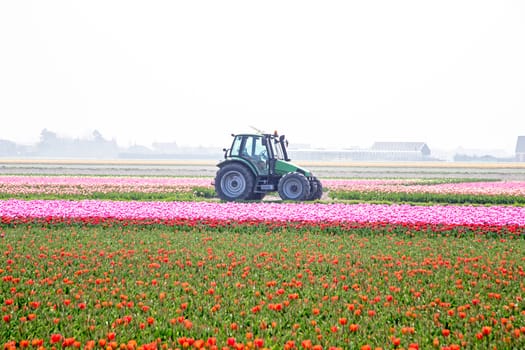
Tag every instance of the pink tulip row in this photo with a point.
(324, 213)
(91, 184)
(512, 188)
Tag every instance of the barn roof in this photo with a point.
(520, 144)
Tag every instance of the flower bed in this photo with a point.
(510, 188)
(84, 185)
(297, 212)
(459, 191)
(429, 191)
(105, 274)
(110, 285)
(106, 188)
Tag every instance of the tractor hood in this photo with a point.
(282, 167)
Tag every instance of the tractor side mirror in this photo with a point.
(264, 141)
(283, 140)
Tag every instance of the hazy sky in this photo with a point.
(328, 73)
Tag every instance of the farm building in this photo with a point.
(520, 149)
(402, 150)
(380, 151)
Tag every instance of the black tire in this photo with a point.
(294, 187)
(234, 182)
(316, 190)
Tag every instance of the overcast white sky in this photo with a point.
(327, 73)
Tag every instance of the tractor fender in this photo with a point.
(239, 161)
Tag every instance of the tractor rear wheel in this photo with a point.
(294, 186)
(316, 189)
(234, 182)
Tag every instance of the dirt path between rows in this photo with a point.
(500, 171)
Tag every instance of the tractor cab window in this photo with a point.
(236, 146)
(259, 150)
(249, 146)
(248, 150)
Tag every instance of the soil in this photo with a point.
(499, 171)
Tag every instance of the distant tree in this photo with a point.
(97, 136)
(93, 147)
(47, 136)
(50, 144)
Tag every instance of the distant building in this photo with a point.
(417, 147)
(520, 149)
(380, 151)
(165, 147)
(401, 150)
(7, 148)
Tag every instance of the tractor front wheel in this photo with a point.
(294, 186)
(234, 182)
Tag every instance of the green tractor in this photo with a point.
(257, 164)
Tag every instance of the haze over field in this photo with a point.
(328, 74)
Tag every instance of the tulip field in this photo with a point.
(471, 191)
(159, 263)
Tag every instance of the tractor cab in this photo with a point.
(254, 150)
(262, 152)
(256, 164)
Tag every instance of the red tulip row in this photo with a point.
(244, 225)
